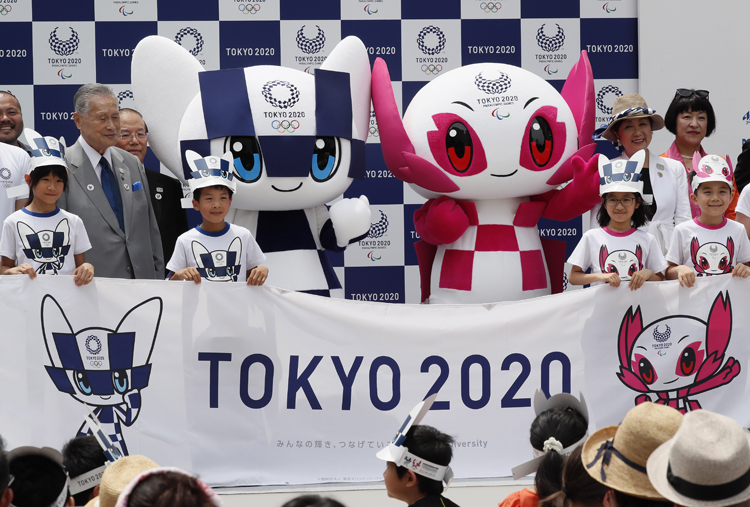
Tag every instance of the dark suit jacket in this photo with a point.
(135, 253)
(166, 195)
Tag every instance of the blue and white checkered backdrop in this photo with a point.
(50, 47)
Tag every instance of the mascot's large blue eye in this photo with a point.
(120, 380)
(247, 157)
(82, 381)
(326, 158)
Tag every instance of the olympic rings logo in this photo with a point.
(490, 7)
(285, 126)
(374, 132)
(96, 364)
(432, 69)
(248, 9)
(5, 10)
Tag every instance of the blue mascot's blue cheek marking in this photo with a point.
(120, 381)
(251, 174)
(82, 381)
(322, 174)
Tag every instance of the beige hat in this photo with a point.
(631, 105)
(707, 463)
(616, 456)
(118, 475)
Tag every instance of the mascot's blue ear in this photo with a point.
(165, 80)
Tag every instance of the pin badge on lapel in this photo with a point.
(90, 187)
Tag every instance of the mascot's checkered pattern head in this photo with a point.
(296, 139)
(711, 168)
(44, 150)
(210, 171)
(621, 175)
(99, 366)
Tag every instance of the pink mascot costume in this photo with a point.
(489, 144)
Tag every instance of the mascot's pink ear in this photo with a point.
(578, 92)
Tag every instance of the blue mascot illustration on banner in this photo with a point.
(103, 368)
(297, 141)
(678, 356)
(489, 144)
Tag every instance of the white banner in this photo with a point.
(252, 386)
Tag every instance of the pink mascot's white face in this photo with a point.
(495, 131)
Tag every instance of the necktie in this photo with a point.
(109, 185)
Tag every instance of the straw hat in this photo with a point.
(616, 456)
(631, 105)
(707, 463)
(211, 495)
(118, 475)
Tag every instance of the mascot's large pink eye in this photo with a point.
(459, 146)
(646, 371)
(723, 263)
(632, 270)
(687, 361)
(613, 269)
(540, 141)
(704, 263)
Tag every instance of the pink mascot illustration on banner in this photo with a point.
(296, 141)
(489, 144)
(678, 356)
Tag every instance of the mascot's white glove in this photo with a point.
(350, 219)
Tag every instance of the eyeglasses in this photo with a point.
(124, 134)
(687, 92)
(612, 202)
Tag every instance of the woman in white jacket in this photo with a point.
(664, 182)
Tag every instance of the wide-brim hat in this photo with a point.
(631, 105)
(119, 474)
(706, 463)
(616, 456)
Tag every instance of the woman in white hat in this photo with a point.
(664, 180)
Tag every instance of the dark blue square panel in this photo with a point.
(557, 84)
(550, 9)
(382, 39)
(491, 40)
(430, 9)
(115, 42)
(570, 232)
(408, 90)
(410, 235)
(336, 258)
(612, 45)
(248, 43)
(53, 107)
(380, 185)
(295, 9)
(188, 10)
(55, 10)
(382, 284)
(16, 58)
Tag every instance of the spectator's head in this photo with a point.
(96, 115)
(119, 474)
(312, 501)
(11, 118)
(616, 456)
(6, 494)
(167, 487)
(133, 133)
(678, 117)
(552, 432)
(579, 489)
(39, 478)
(84, 460)
(425, 443)
(706, 463)
(47, 159)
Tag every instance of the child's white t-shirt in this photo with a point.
(743, 204)
(222, 256)
(606, 251)
(709, 249)
(46, 241)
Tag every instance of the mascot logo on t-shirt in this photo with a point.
(297, 141)
(46, 248)
(677, 357)
(622, 262)
(103, 368)
(712, 258)
(219, 265)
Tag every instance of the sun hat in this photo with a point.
(621, 175)
(119, 474)
(124, 498)
(711, 168)
(616, 456)
(631, 105)
(706, 463)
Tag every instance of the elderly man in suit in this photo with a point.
(108, 190)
